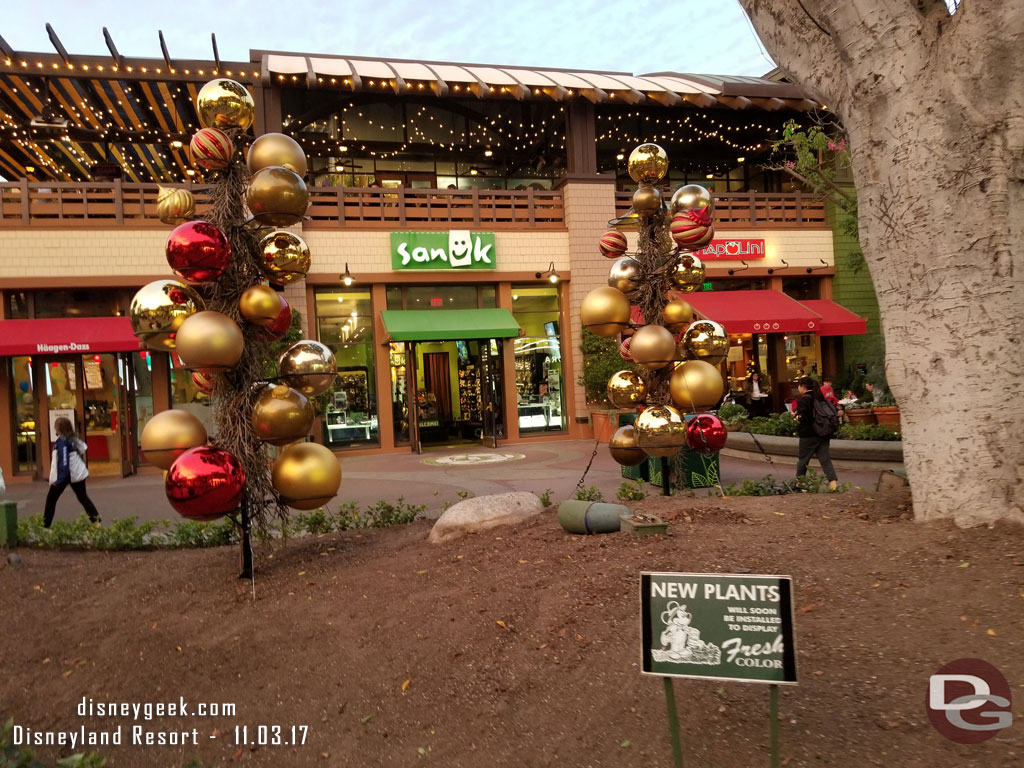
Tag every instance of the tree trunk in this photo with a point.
(934, 107)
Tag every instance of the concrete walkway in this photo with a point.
(432, 478)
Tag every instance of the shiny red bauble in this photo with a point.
(276, 330)
(205, 483)
(198, 251)
(705, 433)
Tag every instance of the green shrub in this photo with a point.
(812, 482)
(779, 424)
(733, 413)
(631, 490)
(545, 498)
(868, 432)
(193, 534)
(601, 359)
(384, 514)
(589, 493)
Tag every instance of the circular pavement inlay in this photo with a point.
(472, 459)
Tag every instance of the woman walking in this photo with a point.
(67, 467)
(810, 429)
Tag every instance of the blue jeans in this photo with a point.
(815, 446)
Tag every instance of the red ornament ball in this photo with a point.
(198, 251)
(211, 149)
(706, 434)
(624, 348)
(276, 329)
(612, 244)
(205, 483)
(692, 229)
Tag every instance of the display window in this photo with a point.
(538, 359)
(24, 415)
(187, 396)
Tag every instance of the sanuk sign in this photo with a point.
(456, 249)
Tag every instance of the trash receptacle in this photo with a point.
(8, 524)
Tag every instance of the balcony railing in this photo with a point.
(755, 210)
(117, 204)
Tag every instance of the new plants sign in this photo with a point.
(456, 249)
(716, 626)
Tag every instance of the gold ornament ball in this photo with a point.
(652, 347)
(688, 275)
(626, 389)
(691, 197)
(706, 340)
(625, 275)
(284, 257)
(158, 309)
(282, 415)
(309, 366)
(648, 164)
(168, 435)
(696, 386)
(174, 205)
(677, 315)
(276, 149)
(623, 448)
(224, 103)
(306, 476)
(209, 342)
(660, 431)
(646, 201)
(605, 312)
(260, 304)
(277, 196)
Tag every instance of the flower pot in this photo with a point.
(889, 415)
(604, 425)
(860, 416)
(734, 427)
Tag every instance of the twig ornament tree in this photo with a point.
(678, 358)
(220, 321)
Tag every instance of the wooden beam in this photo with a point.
(704, 100)
(117, 57)
(736, 102)
(52, 34)
(216, 53)
(163, 50)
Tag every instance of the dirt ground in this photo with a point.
(519, 647)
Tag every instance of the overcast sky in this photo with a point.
(636, 37)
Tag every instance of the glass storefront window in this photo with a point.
(81, 303)
(802, 355)
(488, 296)
(143, 379)
(440, 297)
(394, 297)
(186, 396)
(344, 319)
(538, 359)
(399, 396)
(17, 305)
(24, 415)
(801, 288)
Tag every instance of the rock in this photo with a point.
(482, 513)
(13, 558)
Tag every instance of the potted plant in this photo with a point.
(734, 416)
(601, 359)
(860, 413)
(887, 412)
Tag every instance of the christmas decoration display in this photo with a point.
(678, 378)
(223, 323)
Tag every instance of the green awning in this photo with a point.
(449, 324)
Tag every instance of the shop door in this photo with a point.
(490, 390)
(126, 425)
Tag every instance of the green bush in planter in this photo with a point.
(601, 359)
(733, 413)
(867, 432)
(779, 424)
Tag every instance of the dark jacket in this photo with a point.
(805, 416)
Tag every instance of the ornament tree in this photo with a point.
(678, 358)
(220, 321)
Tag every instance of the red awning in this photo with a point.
(836, 320)
(67, 336)
(755, 311)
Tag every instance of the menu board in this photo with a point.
(93, 374)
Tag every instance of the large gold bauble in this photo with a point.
(168, 435)
(691, 197)
(174, 205)
(648, 164)
(284, 257)
(623, 448)
(282, 415)
(688, 275)
(677, 315)
(209, 342)
(646, 201)
(260, 304)
(706, 340)
(224, 103)
(277, 197)
(660, 431)
(624, 275)
(158, 309)
(696, 386)
(605, 312)
(626, 389)
(652, 347)
(276, 149)
(306, 475)
(309, 366)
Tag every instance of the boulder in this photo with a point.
(481, 513)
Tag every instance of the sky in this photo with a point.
(638, 37)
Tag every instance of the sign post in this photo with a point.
(719, 627)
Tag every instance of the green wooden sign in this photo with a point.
(455, 249)
(718, 626)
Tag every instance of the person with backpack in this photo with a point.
(67, 467)
(817, 424)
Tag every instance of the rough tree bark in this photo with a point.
(934, 107)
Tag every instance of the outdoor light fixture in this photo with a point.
(488, 153)
(346, 278)
(551, 275)
(745, 267)
(473, 171)
(824, 265)
(785, 265)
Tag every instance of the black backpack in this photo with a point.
(826, 419)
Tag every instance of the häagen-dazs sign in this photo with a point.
(456, 249)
